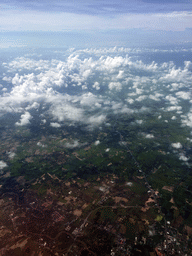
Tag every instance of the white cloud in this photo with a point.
(121, 74)
(176, 75)
(187, 120)
(141, 98)
(89, 99)
(24, 119)
(156, 96)
(2, 165)
(29, 20)
(139, 121)
(11, 155)
(176, 145)
(173, 108)
(51, 82)
(44, 121)
(41, 144)
(130, 101)
(149, 136)
(96, 85)
(175, 86)
(21, 63)
(55, 125)
(96, 120)
(183, 157)
(172, 99)
(115, 86)
(189, 139)
(74, 144)
(35, 105)
(97, 142)
(183, 95)
(64, 111)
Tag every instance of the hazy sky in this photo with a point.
(138, 21)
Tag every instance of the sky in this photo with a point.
(91, 22)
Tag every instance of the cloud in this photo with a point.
(21, 63)
(55, 125)
(41, 144)
(96, 120)
(141, 98)
(156, 96)
(173, 108)
(66, 111)
(90, 100)
(183, 95)
(139, 121)
(96, 85)
(34, 105)
(88, 85)
(121, 74)
(31, 20)
(172, 99)
(176, 145)
(130, 101)
(24, 119)
(115, 86)
(74, 144)
(183, 157)
(97, 142)
(2, 165)
(149, 136)
(187, 119)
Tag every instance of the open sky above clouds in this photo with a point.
(90, 22)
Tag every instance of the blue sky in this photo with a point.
(160, 21)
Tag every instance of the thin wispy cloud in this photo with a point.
(32, 20)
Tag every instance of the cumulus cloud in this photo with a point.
(183, 95)
(96, 120)
(74, 144)
(34, 105)
(149, 136)
(55, 125)
(121, 74)
(187, 120)
(173, 108)
(139, 121)
(130, 101)
(41, 144)
(176, 145)
(115, 86)
(141, 98)
(83, 86)
(171, 99)
(183, 158)
(2, 165)
(96, 85)
(89, 99)
(97, 142)
(67, 112)
(24, 119)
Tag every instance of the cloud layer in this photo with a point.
(87, 87)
